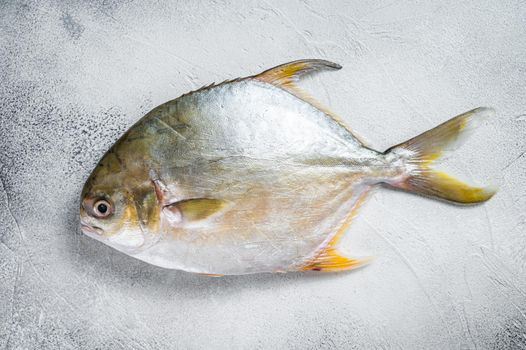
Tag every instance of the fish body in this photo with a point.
(250, 176)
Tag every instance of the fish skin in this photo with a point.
(276, 176)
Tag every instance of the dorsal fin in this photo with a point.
(286, 76)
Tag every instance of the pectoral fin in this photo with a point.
(194, 210)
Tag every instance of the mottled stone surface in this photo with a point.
(74, 76)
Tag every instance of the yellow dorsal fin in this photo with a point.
(329, 260)
(287, 75)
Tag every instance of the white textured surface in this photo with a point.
(73, 77)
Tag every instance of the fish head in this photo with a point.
(119, 211)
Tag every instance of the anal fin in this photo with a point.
(331, 261)
(341, 231)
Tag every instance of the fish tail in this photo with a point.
(415, 157)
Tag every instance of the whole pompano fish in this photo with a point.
(252, 175)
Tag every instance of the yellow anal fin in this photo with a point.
(286, 76)
(331, 261)
(348, 220)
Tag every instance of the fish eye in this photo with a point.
(102, 208)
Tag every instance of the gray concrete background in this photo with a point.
(74, 76)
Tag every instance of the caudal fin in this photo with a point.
(418, 154)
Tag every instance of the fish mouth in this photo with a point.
(90, 229)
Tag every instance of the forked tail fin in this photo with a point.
(417, 155)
